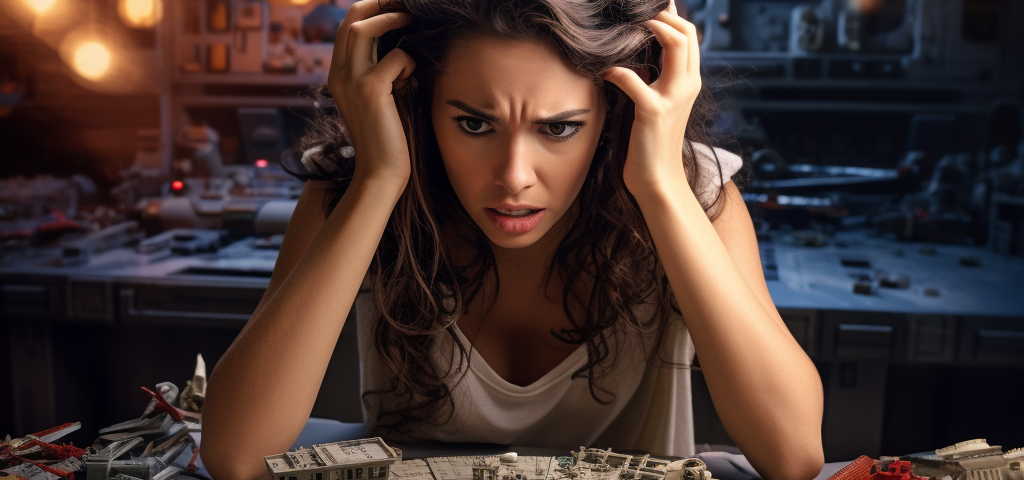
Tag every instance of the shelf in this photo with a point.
(837, 106)
(908, 84)
(305, 79)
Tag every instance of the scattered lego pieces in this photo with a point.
(158, 445)
(969, 460)
(372, 458)
(34, 457)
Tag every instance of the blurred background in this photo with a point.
(142, 200)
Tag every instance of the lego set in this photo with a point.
(371, 458)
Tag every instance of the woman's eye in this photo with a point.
(471, 125)
(563, 130)
(558, 131)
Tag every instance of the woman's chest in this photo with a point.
(515, 338)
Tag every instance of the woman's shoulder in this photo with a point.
(709, 160)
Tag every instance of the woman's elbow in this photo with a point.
(225, 466)
(225, 455)
(801, 464)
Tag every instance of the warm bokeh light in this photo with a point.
(865, 7)
(261, 163)
(40, 6)
(177, 185)
(140, 13)
(103, 60)
(91, 60)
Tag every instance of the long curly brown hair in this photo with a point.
(416, 282)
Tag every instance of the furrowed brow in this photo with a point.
(562, 116)
(494, 119)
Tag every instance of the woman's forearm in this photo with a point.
(766, 390)
(262, 390)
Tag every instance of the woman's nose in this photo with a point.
(515, 172)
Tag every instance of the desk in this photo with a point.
(977, 321)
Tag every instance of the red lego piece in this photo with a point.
(192, 463)
(163, 406)
(865, 468)
(176, 414)
(54, 433)
(898, 470)
(859, 469)
(54, 452)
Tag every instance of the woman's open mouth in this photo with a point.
(514, 221)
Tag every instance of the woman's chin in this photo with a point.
(513, 241)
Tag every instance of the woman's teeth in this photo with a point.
(514, 213)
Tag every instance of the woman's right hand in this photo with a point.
(363, 91)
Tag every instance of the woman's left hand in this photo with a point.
(654, 159)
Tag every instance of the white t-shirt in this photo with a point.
(652, 409)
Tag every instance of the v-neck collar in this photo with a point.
(478, 365)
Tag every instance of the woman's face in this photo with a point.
(517, 130)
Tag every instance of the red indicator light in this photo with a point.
(177, 185)
(261, 163)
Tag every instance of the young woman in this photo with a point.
(519, 199)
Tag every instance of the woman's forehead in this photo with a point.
(498, 72)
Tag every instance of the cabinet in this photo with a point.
(219, 56)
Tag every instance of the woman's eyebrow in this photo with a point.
(493, 119)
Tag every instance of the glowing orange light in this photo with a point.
(865, 6)
(177, 185)
(140, 13)
(40, 6)
(91, 60)
(261, 163)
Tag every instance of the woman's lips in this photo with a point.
(510, 224)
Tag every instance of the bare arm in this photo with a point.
(765, 388)
(262, 390)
